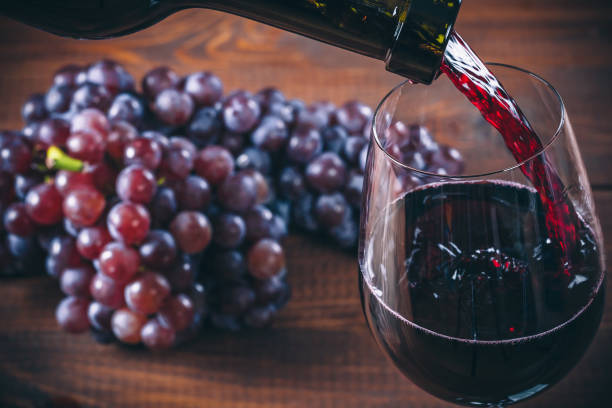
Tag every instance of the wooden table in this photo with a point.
(319, 352)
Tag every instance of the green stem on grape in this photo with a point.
(58, 160)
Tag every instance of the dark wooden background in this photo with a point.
(319, 352)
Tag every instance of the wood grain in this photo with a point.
(319, 352)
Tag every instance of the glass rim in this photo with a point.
(399, 86)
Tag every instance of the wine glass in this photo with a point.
(461, 284)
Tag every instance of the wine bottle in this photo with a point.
(409, 35)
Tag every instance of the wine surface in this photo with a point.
(460, 287)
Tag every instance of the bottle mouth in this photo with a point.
(422, 33)
(379, 115)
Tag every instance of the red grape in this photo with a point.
(157, 337)
(75, 281)
(326, 173)
(353, 116)
(86, 145)
(71, 314)
(121, 133)
(238, 192)
(118, 261)
(157, 80)
(33, 109)
(230, 230)
(128, 222)
(107, 291)
(17, 221)
(90, 241)
(266, 259)
(146, 293)
(66, 181)
(192, 193)
(44, 204)
(173, 107)
(240, 112)
(137, 184)
(127, 324)
(158, 250)
(214, 164)
(52, 132)
(304, 144)
(204, 88)
(176, 312)
(192, 231)
(83, 206)
(143, 151)
(100, 316)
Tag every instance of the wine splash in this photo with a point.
(471, 76)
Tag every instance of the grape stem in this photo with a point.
(58, 160)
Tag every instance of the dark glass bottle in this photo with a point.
(409, 35)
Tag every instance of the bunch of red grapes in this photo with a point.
(162, 211)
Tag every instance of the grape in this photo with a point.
(17, 221)
(291, 183)
(137, 184)
(315, 116)
(205, 126)
(71, 314)
(353, 147)
(234, 142)
(157, 80)
(229, 266)
(330, 209)
(334, 138)
(238, 192)
(346, 233)
(25, 249)
(118, 261)
(66, 181)
(353, 188)
(71, 228)
(107, 291)
(143, 151)
(157, 337)
(204, 88)
(58, 98)
(193, 193)
(182, 274)
(448, 159)
(270, 290)
(302, 213)
(33, 109)
(127, 324)
(90, 120)
(52, 132)
(75, 281)
(30, 132)
(24, 182)
(158, 250)
(69, 75)
(176, 312)
(90, 95)
(236, 300)
(225, 322)
(15, 156)
(261, 185)
(86, 145)
(353, 116)
(63, 254)
(128, 222)
(191, 230)
(110, 75)
(127, 108)
(100, 316)
(326, 173)
(283, 110)
(120, 134)
(178, 159)
(259, 317)
(269, 96)
(254, 158)
(103, 176)
(163, 207)
(230, 230)
(271, 134)
(83, 206)
(265, 259)
(240, 112)
(214, 164)
(304, 144)
(173, 107)
(90, 241)
(146, 293)
(44, 204)
(259, 223)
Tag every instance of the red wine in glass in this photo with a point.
(479, 314)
